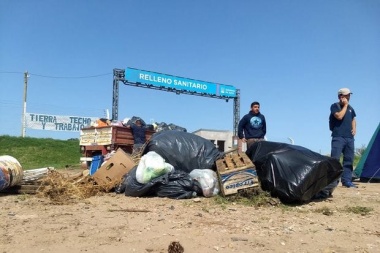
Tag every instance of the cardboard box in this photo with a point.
(236, 172)
(111, 172)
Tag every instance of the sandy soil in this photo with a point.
(348, 222)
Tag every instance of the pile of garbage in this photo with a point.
(178, 165)
(174, 164)
(181, 165)
(156, 126)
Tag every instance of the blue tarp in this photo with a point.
(368, 168)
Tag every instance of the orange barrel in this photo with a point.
(11, 172)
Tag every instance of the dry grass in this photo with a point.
(250, 197)
(65, 188)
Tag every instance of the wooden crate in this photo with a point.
(235, 172)
(22, 189)
(234, 160)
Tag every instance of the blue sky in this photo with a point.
(290, 55)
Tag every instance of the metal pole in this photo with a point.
(236, 119)
(118, 75)
(236, 116)
(24, 104)
(115, 98)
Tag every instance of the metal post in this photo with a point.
(236, 111)
(23, 127)
(236, 119)
(115, 99)
(118, 75)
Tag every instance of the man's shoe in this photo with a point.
(349, 185)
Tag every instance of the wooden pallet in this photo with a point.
(21, 189)
(234, 161)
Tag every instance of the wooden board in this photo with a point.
(21, 189)
(234, 161)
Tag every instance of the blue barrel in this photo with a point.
(95, 164)
(11, 172)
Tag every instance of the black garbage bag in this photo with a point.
(120, 188)
(185, 151)
(178, 185)
(131, 187)
(162, 127)
(133, 121)
(293, 173)
(175, 185)
(177, 128)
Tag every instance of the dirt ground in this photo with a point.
(347, 222)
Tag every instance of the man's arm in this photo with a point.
(264, 125)
(240, 128)
(353, 130)
(340, 114)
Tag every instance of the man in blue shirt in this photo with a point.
(252, 127)
(343, 127)
(138, 132)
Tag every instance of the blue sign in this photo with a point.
(178, 83)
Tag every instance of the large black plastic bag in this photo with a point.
(131, 187)
(178, 185)
(292, 173)
(185, 151)
(175, 185)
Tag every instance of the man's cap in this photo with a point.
(344, 91)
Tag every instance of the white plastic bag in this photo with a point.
(151, 165)
(208, 180)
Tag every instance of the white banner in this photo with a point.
(57, 122)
